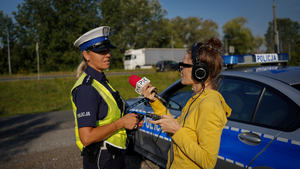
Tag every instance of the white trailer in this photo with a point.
(145, 58)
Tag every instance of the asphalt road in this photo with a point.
(46, 140)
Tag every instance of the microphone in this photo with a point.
(139, 83)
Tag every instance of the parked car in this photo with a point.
(166, 65)
(264, 128)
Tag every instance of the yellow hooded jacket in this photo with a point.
(196, 144)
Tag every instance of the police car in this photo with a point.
(263, 130)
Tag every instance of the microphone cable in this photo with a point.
(163, 101)
(270, 143)
(203, 87)
(155, 143)
(142, 152)
(264, 149)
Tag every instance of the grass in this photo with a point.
(18, 75)
(46, 95)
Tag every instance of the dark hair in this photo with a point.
(209, 53)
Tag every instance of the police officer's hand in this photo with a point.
(129, 121)
(141, 124)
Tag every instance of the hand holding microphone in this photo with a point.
(148, 92)
(143, 87)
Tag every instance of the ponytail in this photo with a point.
(81, 68)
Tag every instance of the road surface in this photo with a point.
(46, 141)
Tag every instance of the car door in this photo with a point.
(253, 134)
(150, 141)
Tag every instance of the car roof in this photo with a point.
(286, 74)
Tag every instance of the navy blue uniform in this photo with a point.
(90, 108)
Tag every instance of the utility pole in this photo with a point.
(172, 42)
(8, 51)
(276, 45)
(38, 59)
(37, 53)
(226, 47)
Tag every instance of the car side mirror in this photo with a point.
(174, 105)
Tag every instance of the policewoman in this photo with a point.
(97, 107)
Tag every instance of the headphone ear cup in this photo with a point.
(200, 72)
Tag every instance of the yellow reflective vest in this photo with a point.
(117, 139)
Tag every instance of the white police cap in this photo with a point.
(95, 40)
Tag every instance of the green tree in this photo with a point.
(259, 41)
(189, 30)
(289, 32)
(7, 29)
(54, 25)
(235, 34)
(176, 32)
(134, 24)
(208, 30)
(295, 53)
(74, 17)
(34, 22)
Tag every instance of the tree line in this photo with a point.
(52, 26)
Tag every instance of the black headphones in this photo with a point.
(200, 69)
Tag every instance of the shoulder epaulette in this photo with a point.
(88, 80)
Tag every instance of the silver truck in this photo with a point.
(145, 58)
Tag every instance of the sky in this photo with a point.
(258, 12)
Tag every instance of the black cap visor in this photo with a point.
(101, 46)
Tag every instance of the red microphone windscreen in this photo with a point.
(133, 79)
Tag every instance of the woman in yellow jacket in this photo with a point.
(197, 132)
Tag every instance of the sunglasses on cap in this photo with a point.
(102, 52)
(183, 65)
(101, 46)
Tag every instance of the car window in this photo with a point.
(178, 99)
(174, 63)
(159, 63)
(241, 96)
(296, 86)
(274, 110)
(127, 57)
(256, 103)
